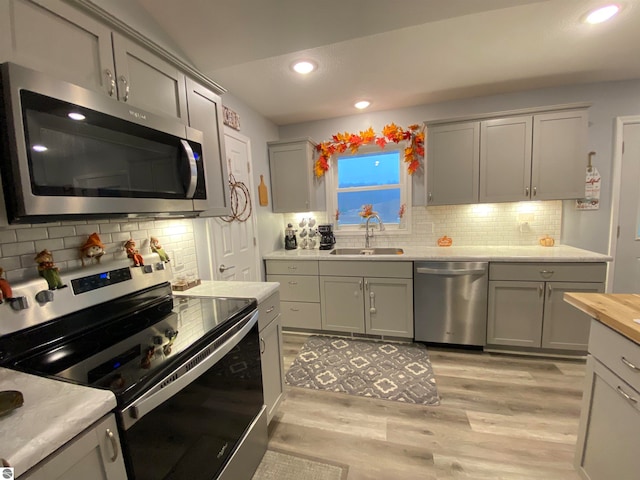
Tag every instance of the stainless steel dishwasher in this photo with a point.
(450, 302)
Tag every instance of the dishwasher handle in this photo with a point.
(448, 272)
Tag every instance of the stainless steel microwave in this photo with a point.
(69, 152)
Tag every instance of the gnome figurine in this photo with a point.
(48, 270)
(5, 288)
(132, 253)
(93, 249)
(157, 248)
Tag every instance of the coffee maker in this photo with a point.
(327, 239)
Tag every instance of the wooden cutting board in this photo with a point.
(263, 196)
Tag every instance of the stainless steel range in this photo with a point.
(185, 371)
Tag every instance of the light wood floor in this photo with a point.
(501, 417)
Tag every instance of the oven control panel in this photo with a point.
(99, 280)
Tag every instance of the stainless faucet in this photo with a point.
(368, 235)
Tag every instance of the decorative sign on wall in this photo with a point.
(591, 189)
(230, 118)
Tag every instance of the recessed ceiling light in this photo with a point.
(76, 116)
(362, 104)
(304, 67)
(39, 148)
(602, 14)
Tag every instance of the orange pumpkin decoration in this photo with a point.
(445, 241)
(547, 241)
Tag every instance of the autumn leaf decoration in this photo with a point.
(341, 142)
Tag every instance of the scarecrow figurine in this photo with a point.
(48, 270)
(157, 248)
(5, 288)
(132, 253)
(93, 249)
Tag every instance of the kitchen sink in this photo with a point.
(367, 251)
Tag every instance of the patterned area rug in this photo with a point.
(368, 368)
(286, 466)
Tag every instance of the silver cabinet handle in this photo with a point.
(112, 82)
(263, 345)
(294, 309)
(292, 283)
(193, 169)
(535, 191)
(629, 364)
(114, 444)
(222, 268)
(430, 197)
(360, 284)
(546, 273)
(541, 290)
(626, 395)
(270, 309)
(372, 302)
(526, 191)
(126, 88)
(549, 290)
(293, 268)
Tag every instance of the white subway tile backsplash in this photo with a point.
(38, 233)
(60, 232)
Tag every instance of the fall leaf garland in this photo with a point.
(341, 142)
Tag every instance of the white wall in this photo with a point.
(584, 229)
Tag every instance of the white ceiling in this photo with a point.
(395, 53)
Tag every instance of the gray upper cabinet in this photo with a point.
(452, 163)
(505, 159)
(294, 186)
(205, 114)
(537, 156)
(148, 82)
(53, 37)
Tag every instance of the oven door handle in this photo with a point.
(159, 393)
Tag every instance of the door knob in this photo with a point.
(223, 268)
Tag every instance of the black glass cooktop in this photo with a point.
(129, 347)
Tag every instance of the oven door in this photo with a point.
(204, 412)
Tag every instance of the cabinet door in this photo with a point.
(453, 162)
(565, 327)
(148, 82)
(205, 114)
(342, 304)
(609, 425)
(515, 313)
(389, 306)
(294, 187)
(505, 159)
(52, 37)
(94, 454)
(559, 155)
(272, 369)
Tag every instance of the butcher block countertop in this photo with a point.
(620, 311)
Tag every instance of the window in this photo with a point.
(371, 176)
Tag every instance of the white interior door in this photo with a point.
(625, 275)
(229, 250)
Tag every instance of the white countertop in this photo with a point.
(209, 288)
(52, 414)
(560, 253)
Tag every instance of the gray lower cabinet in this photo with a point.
(94, 454)
(299, 292)
(380, 305)
(271, 353)
(610, 415)
(526, 307)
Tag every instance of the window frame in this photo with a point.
(402, 228)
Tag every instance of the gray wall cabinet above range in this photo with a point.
(53, 37)
(535, 156)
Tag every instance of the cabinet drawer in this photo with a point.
(356, 268)
(268, 310)
(554, 272)
(292, 267)
(297, 288)
(301, 315)
(618, 353)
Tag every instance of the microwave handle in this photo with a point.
(193, 179)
